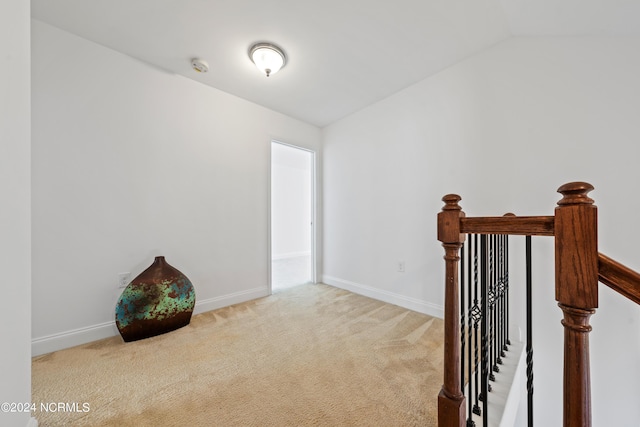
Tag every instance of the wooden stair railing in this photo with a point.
(578, 268)
(619, 278)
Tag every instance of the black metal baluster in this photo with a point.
(496, 302)
(471, 268)
(529, 335)
(491, 310)
(493, 367)
(477, 317)
(503, 303)
(499, 302)
(484, 330)
(506, 288)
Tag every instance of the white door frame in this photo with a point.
(314, 204)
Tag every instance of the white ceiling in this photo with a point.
(342, 54)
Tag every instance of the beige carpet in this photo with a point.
(310, 355)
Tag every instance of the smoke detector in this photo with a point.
(199, 65)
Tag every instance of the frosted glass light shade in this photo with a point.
(267, 57)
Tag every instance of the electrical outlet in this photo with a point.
(123, 279)
(400, 266)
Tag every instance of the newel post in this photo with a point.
(576, 247)
(451, 401)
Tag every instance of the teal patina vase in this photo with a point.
(159, 300)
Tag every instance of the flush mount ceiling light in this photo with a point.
(268, 57)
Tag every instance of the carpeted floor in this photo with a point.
(310, 355)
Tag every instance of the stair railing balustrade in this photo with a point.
(476, 318)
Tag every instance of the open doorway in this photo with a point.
(292, 216)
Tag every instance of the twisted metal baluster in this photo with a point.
(501, 299)
(477, 317)
(506, 287)
(493, 367)
(470, 255)
(484, 330)
(529, 335)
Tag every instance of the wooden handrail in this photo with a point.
(509, 224)
(618, 277)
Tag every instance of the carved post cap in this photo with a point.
(451, 202)
(575, 193)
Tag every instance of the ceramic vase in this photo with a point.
(158, 300)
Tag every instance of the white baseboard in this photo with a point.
(74, 337)
(230, 299)
(275, 257)
(66, 339)
(32, 422)
(414, 304)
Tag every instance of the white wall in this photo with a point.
(15, 214)
(290, 201)
(504, 129)
(130, 162)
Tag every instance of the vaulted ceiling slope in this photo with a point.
(342, 54)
